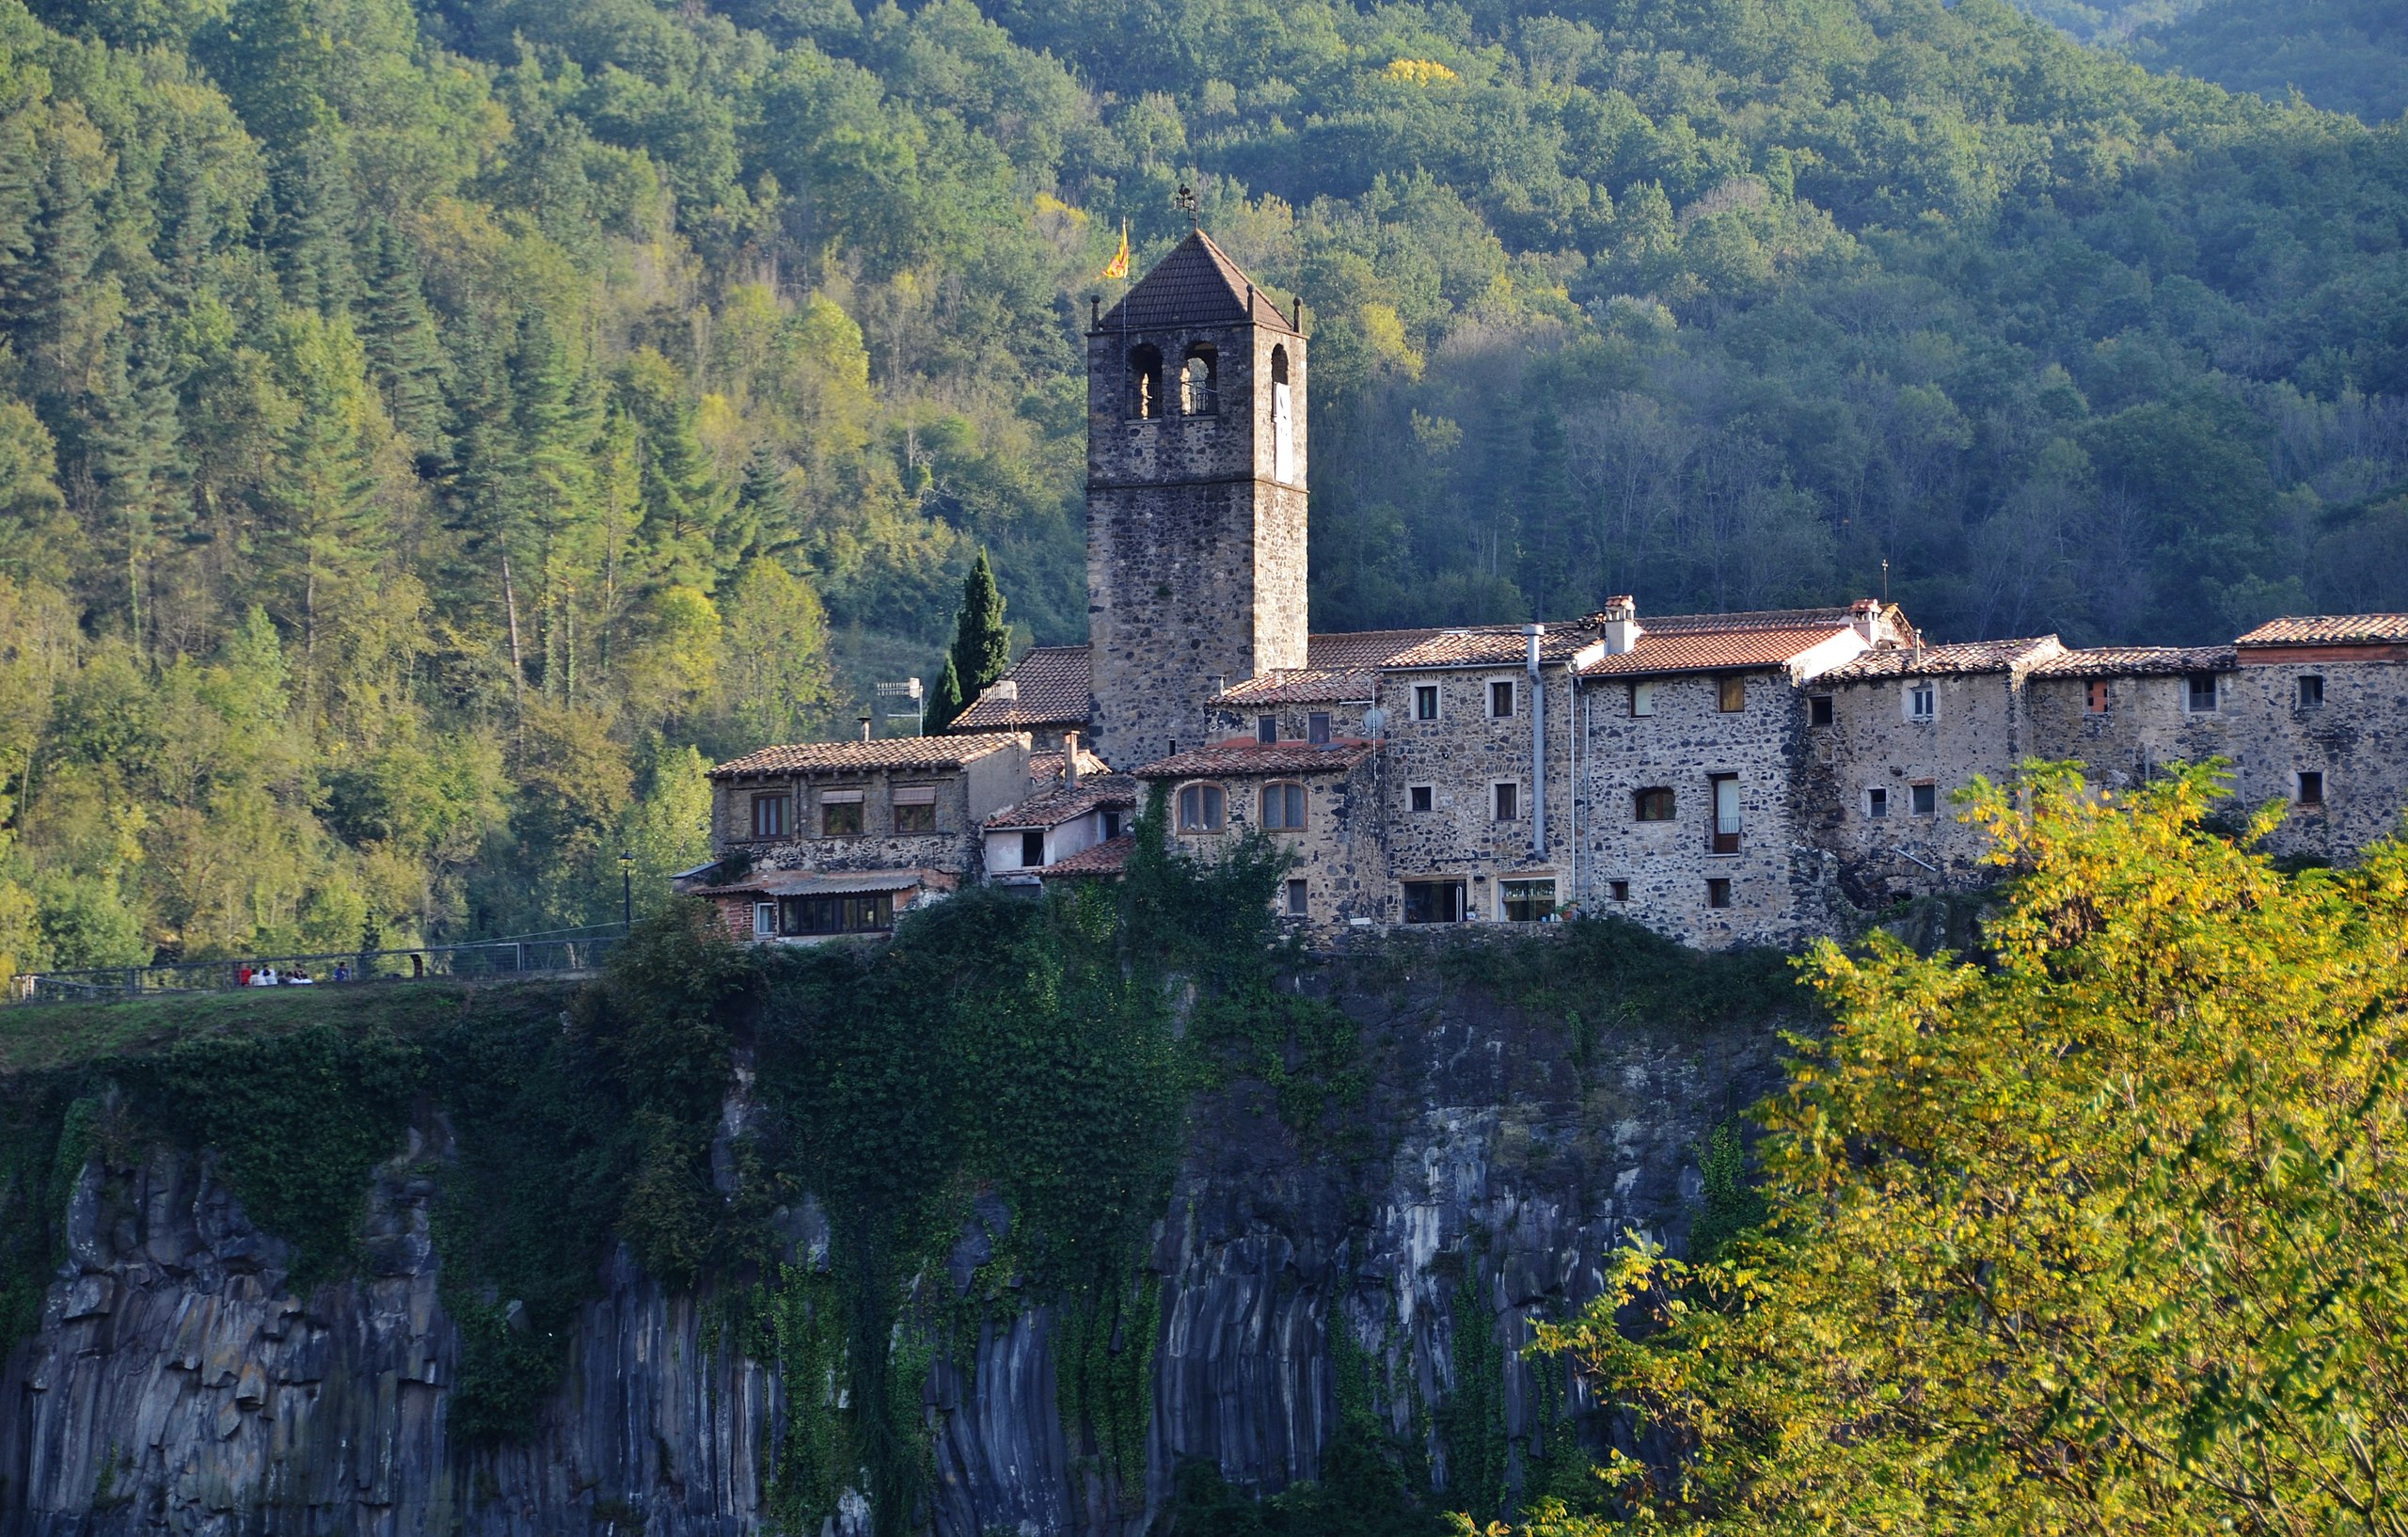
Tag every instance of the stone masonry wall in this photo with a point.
(1775, 877)
(953, 847)
(1460, 757)
(1979, 728)
(1342, 855)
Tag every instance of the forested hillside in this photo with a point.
(2345, 56)
(420, 431)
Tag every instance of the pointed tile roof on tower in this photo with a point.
(1195, 284)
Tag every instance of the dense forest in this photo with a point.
(2347, 56)
(427, 434)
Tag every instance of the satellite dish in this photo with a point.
(1375, 722)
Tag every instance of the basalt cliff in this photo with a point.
(176, 1381)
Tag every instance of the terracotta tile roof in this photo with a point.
(828, 883)
(1249, 757)
(2135, 661)
(1055, 688)
(1349, 651)
(889, 753)
(1493, 646)
(1711, 650)
(1195, 284)
(1046, 768)
(1938, 661)
(2330, 631)
(1300, 686)
(1108, 858)
(1823, 619)
(1054, 807)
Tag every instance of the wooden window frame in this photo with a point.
(1303, 805)
(1206, 793)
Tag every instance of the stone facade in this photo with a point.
(1341, 877)
(1726, 779)
(1195, 500)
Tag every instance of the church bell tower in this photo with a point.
(1195, 498)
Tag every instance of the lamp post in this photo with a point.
(627, 892)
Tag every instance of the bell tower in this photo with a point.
(1195, 498)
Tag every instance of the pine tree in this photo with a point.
(403, 348)
(130, 459)
(54, 303)
(982, 642)
(764, 507)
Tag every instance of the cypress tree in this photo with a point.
(982, 642)
(945, 700)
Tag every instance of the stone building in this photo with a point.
(1725, 779)
(830, 838)
(1319, 800)
(1195, 498)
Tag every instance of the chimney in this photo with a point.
(1534, 635)
(1865, 617)
(864, 728)
(1618, 623)
(1070, 760)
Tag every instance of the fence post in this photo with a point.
(518, 952)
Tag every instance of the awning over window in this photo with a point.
(915, 795)
(840, 797)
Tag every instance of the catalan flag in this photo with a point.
(1119, 265)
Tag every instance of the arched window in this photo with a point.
(1202, 808)
(1199, 381)
(1146, 382)
(1283, 419)
(1651, 805)
(1283, 808)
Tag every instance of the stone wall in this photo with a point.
(953, 847)
(1774, 890)
(1979, 728)
(1462, 756)
(1341, 854)
(1196, 553)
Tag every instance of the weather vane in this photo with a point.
(1185, 198)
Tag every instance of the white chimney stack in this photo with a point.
(1618, 625)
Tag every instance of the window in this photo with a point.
(1726, 812)
(1731, 693)
(1500, 699)
(1717, 891)
(1506, 797)
(2202, 693)
(916, 808)
(1283, 807)
(1433, 901)
(1283, 422)
(1317, 728)
(2311, 788)
(1297, 907)
(1425, 702)
(1146, 382)
(840, 813)
(1876, 803)
(1821, 710)
(1199, 382)
(2099, 697)
(1621, 890)
(1202, 809)
(769, 816)
(765, 920)
(1110, 825)
(1417, 797)
(1923, 798)
(1032, 850)
(2311, 692)
(867, 914)
(1923, 701)
(1643, 699)
(1527, 901)
(1266, 728)
(1651, 805)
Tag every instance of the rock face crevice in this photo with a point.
(177, 1383)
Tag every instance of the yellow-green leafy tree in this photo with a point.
(2108, 1235)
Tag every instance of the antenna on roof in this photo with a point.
(1885, 578)
(1186, 199)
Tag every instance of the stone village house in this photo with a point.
(1725, 779)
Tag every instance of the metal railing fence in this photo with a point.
(549, 953)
